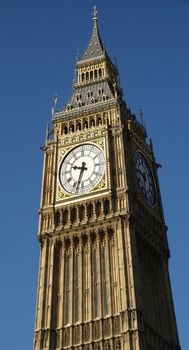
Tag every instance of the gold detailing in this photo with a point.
(100, 185)
(83, 135)
(61, 194)
(62, 153)
(100, 142)
(58, 129)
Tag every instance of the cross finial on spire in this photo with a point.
(141, 115)
(54, 105)
(95, 18)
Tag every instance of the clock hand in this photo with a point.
(78, 167)
(143, 175)
(80, 175)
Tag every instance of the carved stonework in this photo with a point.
(45, 338)
(57, 339)
(107, 345)
(118, 344)
(85, 134)
(106, 328)
(86, 331)
(97, 330)
(61, 194)
(36, 337)
(101, 185)
(77, 335)
(67, 337)
(97, 346)
(116, 325)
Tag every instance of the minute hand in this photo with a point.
(80, 176)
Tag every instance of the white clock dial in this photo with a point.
(82, 169)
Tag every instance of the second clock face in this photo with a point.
(145, 178)
(82, 169)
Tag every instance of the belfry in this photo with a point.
(103, 275)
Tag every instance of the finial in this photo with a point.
(141, 116)
(151, 144)
(55, 104)
(77, 55)
(47, 132)
(95, 18)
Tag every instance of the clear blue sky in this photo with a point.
(38, 46)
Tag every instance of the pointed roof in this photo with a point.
(95, 47)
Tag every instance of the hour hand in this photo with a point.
(143, 175)
(76, 167)
(80, 167)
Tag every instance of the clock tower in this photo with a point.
(103, 274)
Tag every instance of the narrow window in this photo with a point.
(91, 75)
(78, 126)
(65, 129)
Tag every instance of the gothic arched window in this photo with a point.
(82, 213)
(106, 206)
(91, 75)
(78, 125)
(90, 211)
(65, 129)
(73, 215)
(98, 209)
(65, 217)
(57, 218)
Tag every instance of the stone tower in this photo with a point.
(103, 275)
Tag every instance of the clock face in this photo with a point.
(145, 179)
(82, 169)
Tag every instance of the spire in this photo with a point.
(95, 47)
(95, 18)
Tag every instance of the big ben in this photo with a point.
(103, 274)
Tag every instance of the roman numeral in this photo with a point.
(97, 155)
